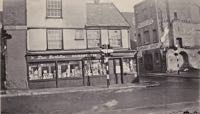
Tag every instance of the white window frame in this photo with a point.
(54, 8)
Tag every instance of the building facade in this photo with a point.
(161, 27)
(57, 43)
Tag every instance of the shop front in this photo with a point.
(67, 70)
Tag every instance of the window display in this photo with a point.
(94, 67)
(129, 66)
(42, 71)
(70, 69)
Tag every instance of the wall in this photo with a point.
(188, 32)
(74, 14)
(193, 57)
(70, 42)
(14, 12)
(16, 63)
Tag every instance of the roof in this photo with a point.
(129, 16)
(104, 14)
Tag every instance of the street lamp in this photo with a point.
(177, 58)
(106, 51)
(4, 37)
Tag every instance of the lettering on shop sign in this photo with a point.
(62, 56)
(148, 47)
(145, 23)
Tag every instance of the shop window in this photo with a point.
(115, 38)
(155, 36)
(54, 38)
(70, 69)
(93, 38)
(79, 35)
(94, 68)
(42, 71)
(146, 37)
(129, 66)
(54, 8)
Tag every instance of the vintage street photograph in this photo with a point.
(100, 56)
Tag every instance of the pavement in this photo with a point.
(31, 92)
(191, 75)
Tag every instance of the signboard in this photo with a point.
(60, 56)
(145, 23)
(148, 47)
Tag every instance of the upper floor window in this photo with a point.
(115, 38)
(54, 38)
(155, 36)
(93, 38)
(54, 8)
(146, 37)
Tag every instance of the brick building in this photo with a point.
(56, 43)
(161, 27)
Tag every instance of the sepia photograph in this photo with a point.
(100, 56)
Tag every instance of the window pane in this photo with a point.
(54, 39)
(42, 71)
(94, 67)
(115, 38)
(93, 37)
(54, 8)
(146, 37)
(155, 36)
(70, 69)
(129, 66)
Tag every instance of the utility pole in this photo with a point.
(170, 25)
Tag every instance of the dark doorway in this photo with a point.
(179, 42)
(186, 63)
(148, 62)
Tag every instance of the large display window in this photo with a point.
(129, 65)
(94, 68)
(70, 69)
(42, 71)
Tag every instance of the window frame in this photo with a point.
(54, 17)
(47, 38)
(88, 47)
(145, 37)
(115, 39)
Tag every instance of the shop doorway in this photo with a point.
(148, 62)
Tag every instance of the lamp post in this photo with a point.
(4, 37)
(106, 51)
(177, 58)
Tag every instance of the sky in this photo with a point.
(125, 5)
(1, 3)
(122, 5)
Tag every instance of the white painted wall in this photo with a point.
(125, 38)
(36, 39)
(74, 14)
(104, 37)
(70, 42)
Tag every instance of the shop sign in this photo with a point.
(145, 23)
(149, 47)
(62, 56)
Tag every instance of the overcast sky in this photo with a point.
(125, 5)
(122, 5)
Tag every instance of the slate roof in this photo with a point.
(104, 14)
